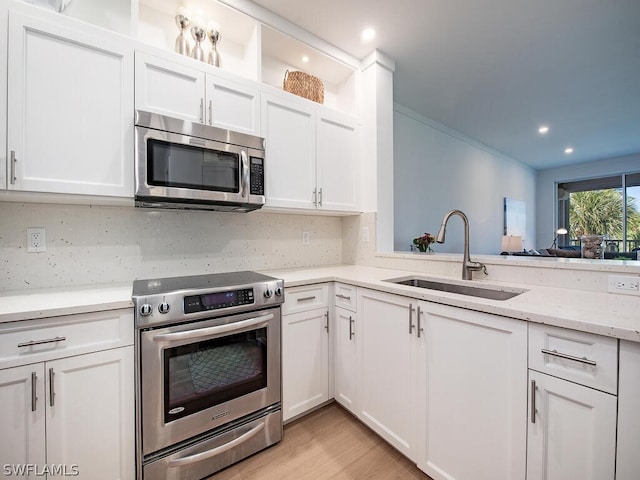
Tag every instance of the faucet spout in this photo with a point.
(467, 265)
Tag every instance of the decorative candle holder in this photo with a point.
(183, 22)
(213, 32)
(199, 35)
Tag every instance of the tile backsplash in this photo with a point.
(99, 245)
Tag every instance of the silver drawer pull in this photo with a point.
(343, 297)
(555, 353)
(34, 397)
(31, 343)
(52, 390)
(305, 299)
(533, 401)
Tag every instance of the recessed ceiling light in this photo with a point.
(368, 34)
(305, 59)
(543, 129)
(568, 150)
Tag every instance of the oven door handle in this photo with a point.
(209, 331)
(181, 462)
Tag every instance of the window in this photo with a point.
(608, 206)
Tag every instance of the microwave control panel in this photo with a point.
(256, 174)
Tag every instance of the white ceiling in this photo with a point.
(494, 70)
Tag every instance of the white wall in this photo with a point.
(100, 245)
(546, 188)
(437, 169)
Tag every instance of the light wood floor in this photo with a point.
(329, 444)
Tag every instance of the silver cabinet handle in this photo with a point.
(320, 197)
(343, 297)
(411, 325)
(31, 343)
(201, 110)
(34, 398)
(555, 353)
(13, 168)
(533, 401)
(419, 329)
(52, 390)
(351, 322)
(315, 197)
(326, 325)
(210, 112)
(305, 299)
(179, 462)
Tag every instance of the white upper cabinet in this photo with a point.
(70, 107)
(337, 161)
(289, 129)
(191, 91)
(312, 156)
(168, 88)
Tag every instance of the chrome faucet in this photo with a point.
(467, 265)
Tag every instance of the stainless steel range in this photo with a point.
(208, 372)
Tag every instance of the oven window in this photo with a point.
(186, 166)
(203, 374)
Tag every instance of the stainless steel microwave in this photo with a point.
(179, 164)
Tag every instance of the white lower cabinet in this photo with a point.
(628, 459)
(476, 372)
(391, 368)
(574, 434)
(305, 361)
(67, 396)
(345, 355)
(76, 412)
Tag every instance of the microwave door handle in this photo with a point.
(244, 165)
(209, 331)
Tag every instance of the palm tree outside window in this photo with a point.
(608, 206)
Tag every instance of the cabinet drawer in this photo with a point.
(301, 299)
(45, 339)
(345, 296)
(584, 358)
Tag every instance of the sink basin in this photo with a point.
(492, 293)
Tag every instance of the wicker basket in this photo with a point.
(304, 85)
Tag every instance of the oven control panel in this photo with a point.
(217, 300)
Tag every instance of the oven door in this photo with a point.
(171, 166)
(198, 376)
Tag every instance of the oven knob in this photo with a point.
(278, 291)
(268, 293)
(163, 307)
(145, 309)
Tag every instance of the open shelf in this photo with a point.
(281, 52)
(239, 33)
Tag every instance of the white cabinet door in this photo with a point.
(337, 162)
(475, 426)
(90, 421)
(344, 359)
(22, 436)
(305, 361)
(389, 362)
(168, 88)
(574, 434)
(628, 462)
(233, 105)
(289, 129)
(70, 107)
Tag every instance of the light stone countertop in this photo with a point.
(606, 314)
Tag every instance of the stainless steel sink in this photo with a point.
(493, 293)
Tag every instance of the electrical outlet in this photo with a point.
(305, 238)
(36, 240)
(624, 284)
(365, 234)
